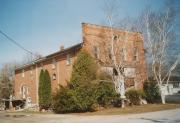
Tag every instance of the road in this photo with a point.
(168, 116)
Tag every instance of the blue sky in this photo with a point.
(43, 25)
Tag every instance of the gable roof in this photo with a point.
(77, 46)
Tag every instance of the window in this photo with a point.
(54, 76)
(23, 73)
(68, 60)
(176, 85)
(31, 72)
(24, 91)
(96, 52)
(110, 53)
(53, 64)
(115, 72)
(123, 54)
(116, 37)
(136, 57)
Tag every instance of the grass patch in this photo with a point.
(133, 109)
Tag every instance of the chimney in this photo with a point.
(61, 47)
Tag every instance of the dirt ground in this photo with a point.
(166, 116)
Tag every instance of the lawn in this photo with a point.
(133, 109)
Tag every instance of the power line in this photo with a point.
(16, 43)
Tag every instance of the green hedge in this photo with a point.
(85, 98)
(106, 95)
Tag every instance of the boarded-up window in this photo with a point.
(123, 54)
(129, 72)
(96, 52)
(110, 53)
(136, 54)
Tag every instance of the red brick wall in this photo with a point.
(92, 35)
(62, 71)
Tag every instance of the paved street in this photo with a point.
(168, 116)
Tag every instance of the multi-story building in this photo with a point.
(95, 40)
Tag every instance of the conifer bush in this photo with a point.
(44, 90)
(84, 91)
(40, 89)
(133, 96)
(64, 101)
(106, 94)
(151, 90)
(84, 69)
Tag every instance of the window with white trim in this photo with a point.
(54, 76)
(31, 71)
(68, 60)
(53, 64)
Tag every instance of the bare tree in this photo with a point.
(159, 29)
(28, 58)
(7, 80)
(116, 52)
(7, 74)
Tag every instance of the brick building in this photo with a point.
(96, 42)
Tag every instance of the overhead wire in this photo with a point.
(16, 43)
